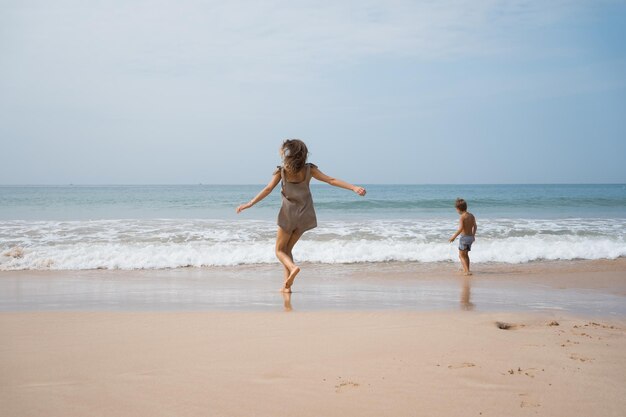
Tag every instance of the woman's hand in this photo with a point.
(264, 193)
(243, 207)
(359, 190)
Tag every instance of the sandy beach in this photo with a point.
(310, 364)
(96, 351)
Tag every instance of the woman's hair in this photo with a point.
(295, 154)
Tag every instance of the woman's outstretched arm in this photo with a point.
(264, 193)
(335, 182)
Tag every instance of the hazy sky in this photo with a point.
(449, 91)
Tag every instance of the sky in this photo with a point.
(382, 91)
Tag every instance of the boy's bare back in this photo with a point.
(468, 224)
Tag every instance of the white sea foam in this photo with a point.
(157, 244)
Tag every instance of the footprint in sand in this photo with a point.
(461, 365)
(530, 372)
(604, 326)
(569, 343)
(345, 386)
(508, 326)
(527, 401)
(577, 357)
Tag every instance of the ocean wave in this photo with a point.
(158, 244)
(373, 204)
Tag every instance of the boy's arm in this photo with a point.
(264, 193)
(335, 182)
(458, 232)
(475, 228)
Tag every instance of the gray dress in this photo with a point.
(297, 211)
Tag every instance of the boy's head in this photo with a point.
(461, 205)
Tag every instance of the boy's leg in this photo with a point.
(463, 256)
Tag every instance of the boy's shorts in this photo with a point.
(465, 242)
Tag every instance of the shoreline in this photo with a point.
(586, 287)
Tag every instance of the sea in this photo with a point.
(128, 227)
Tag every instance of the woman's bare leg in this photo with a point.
(283, 253)
(288, 251)
(295, 236)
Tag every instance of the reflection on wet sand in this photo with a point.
(466, 304)
(287, 301)
(584, 287)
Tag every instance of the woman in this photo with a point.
(297, 214)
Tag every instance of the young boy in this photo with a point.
(467, 230)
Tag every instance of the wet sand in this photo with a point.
(584, 287)
(353, 340)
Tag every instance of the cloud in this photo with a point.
(163, 59)
(248, 39)
(145, 83)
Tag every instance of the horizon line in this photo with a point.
(262, 184)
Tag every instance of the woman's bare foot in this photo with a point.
(291, 278)
(467, 274)
(285, 290)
